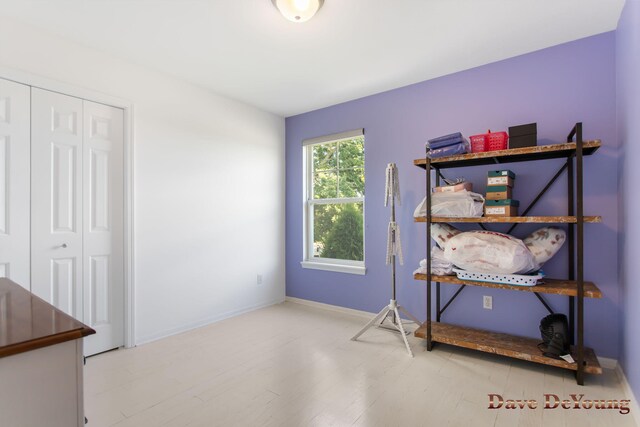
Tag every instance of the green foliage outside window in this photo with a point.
(344, 239)
(338, 172)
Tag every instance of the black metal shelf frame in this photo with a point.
(575, 207)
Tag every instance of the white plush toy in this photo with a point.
(491, 252)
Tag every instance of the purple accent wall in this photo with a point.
(555, 87)
(628, 97)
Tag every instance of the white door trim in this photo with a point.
(34, 80)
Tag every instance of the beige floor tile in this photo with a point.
(293, 365)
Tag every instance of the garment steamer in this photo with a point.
(394, 249)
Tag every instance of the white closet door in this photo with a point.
(56, 200)
(14, 182)
(103, 212)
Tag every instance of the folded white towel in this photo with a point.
(439, 265)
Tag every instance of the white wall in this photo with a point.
(208, 182)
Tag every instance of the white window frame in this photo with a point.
(309, 261)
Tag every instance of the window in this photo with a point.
(334, 202)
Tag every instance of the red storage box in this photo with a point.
(490, 141)
(478, 143)
(497, 141)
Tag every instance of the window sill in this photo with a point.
(338, 268)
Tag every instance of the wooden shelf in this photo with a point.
(540, 152)
(503, 344)
(500, 343)
(512, 219)
(547, 286)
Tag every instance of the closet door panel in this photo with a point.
(14, 181)
(103, 211)
(56, 194)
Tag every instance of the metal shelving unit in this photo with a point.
(574, 286)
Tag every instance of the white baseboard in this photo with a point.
(330, 307)
(628, 391)
(204, 322)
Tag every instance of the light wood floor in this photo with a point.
(293, 365)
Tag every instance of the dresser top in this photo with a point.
(28, 322)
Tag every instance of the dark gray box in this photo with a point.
(523, 135)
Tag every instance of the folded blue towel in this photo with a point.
(450, 150)
(444, 141)
(445, 137)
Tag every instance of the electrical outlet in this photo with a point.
(259, 279)
(487, 302)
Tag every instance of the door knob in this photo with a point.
(63, 246)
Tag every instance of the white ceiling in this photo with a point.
(352, 48)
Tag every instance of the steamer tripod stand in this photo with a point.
(394, 248)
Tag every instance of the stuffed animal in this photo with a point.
(492, 252)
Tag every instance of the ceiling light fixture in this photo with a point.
(298, 10)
